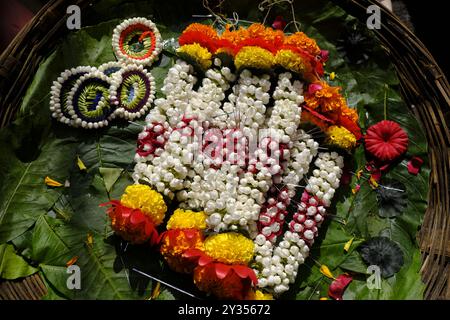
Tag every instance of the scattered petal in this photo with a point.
(332, 75)
(359, 174)
(348, 244)
(90, 240)
(71, 261)
(373, 181)
(52, 183)
(414, 165)
(326, 272)
(338, 286)
(356, 189)
(80, 164)
(323, 298)
(156, 291)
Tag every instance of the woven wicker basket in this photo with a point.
(423, 85)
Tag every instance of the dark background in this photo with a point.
(429, 18)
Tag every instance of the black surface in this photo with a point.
(431, 22)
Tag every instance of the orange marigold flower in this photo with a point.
(234, 36)
(223, 281)
(175, 242)
(325, 98)
(207, 30)
(302, 41)
(257, 30)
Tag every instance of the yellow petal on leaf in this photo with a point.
(373, 182)
(156, 291)
(359, 174)
(52, 183)
(326, 272)
(80, 164)
(323, 298)
(332, 75)
(348, 244)
(72, 261)
(90, 240)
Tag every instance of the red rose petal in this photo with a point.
(338, 286)
(414, 165)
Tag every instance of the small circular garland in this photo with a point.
(137, 40)
(132, 91)
(88, 97)
(88, 101)
(60, 91)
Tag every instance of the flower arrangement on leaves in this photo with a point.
(90, 97)
(226, 145)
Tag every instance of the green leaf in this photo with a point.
(23, 193)
(110, 176)
(13, 266)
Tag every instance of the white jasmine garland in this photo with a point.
(278, 264)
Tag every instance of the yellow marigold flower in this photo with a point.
(302, 41)
(197, 53)
(187, 219)
(291, 61)
(231, 248)
(52, 183)
(340, 137)
(254, 57)
(149, 201)
(203, 28)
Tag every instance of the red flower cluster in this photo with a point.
(153, 138)
(308, 218)
(131, 224)
(273, 213)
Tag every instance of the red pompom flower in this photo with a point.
(386, 140)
